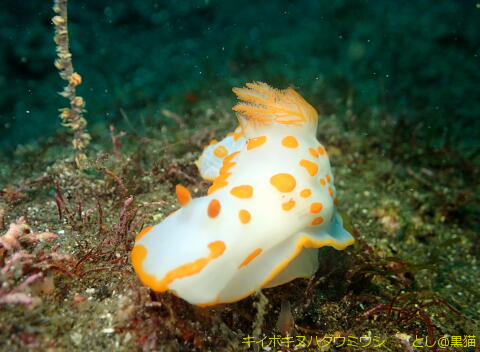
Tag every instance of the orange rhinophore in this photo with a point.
(263, 105)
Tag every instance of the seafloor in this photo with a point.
(413, 272)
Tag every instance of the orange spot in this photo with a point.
(230, 157)
(244, 216)
(219, 182)
(283, 182)
(228, 163)
(220, 151)
(143, 233)
(183, 195)
(310, 166)
(256, 142)
(288, 205)
(229, 134)
(244, 191)
(321, 150)
(330, 190)
(317, 221)
(327, 176)
(290, 142)
(213, 141)
(313, 152)
(305, 193)
(250, 257)
(322, 181)
(214, 208)
(226, 166)
(237, 135)
(316, 207)
(139, 253)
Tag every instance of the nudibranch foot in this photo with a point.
(303, 265)
(280, 264)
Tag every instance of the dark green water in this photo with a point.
(418, 61)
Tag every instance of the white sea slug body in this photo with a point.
(269, 209)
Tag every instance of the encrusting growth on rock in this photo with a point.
(73, 116)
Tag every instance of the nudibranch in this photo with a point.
(270, 208)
